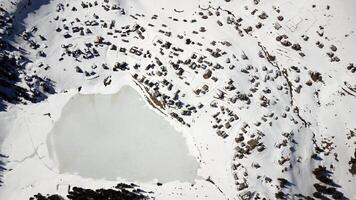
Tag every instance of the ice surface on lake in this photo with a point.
(109, 136)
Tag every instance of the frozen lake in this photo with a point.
(109, 136)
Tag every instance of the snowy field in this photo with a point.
(185, 100)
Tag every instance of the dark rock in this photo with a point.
(296, 47)
(286, 43)
(333, 48)
(207, 74)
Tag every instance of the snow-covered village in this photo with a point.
(177, 100)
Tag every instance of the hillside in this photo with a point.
(263, 92)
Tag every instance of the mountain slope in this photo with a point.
(264, 90)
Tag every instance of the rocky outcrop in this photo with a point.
(120, 192)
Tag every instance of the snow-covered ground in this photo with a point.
(263, 92)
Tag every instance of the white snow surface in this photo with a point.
(297, 120)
